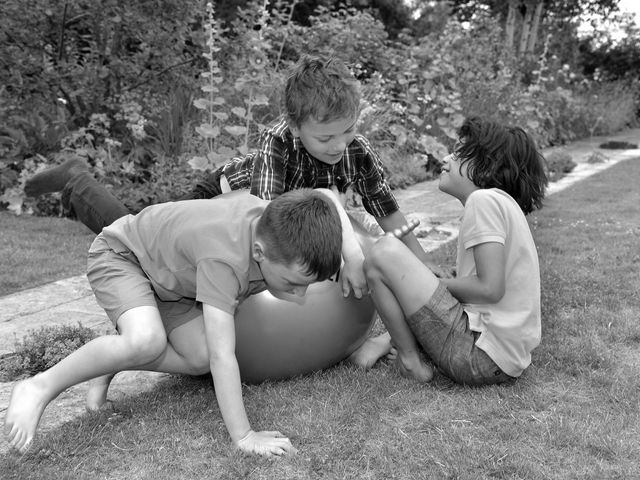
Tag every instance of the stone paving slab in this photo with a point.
(69, 301)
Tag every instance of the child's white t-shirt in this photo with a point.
(511, 328)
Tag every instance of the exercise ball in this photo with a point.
(278, 338)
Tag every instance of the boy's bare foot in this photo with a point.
(371, 350)
(28, 401)
(55, 178)
(97, 393)
(416, 370)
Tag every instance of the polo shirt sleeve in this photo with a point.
(377, 198)
(269, 168)
(217, 285)
(484, 220)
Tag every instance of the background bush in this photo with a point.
(153, 92)
(41, 349)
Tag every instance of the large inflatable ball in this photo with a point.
(278, 338)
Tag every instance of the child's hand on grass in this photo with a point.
(266, 443)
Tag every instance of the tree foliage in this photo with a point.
(150, 90)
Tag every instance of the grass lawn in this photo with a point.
(38, 250)
(573, 415)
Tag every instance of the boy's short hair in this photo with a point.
(505, 158)
(302, 226)
(323, 89)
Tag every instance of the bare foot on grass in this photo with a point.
(27, 403)
(371, 350)
(96, 398)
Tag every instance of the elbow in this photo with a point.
(494, 293)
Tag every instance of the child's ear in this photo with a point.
(257, 251)
(293, 128)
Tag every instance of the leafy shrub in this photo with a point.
(120, 89)
(559, 163)
(43, 348)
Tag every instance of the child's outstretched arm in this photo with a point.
(397, 220)
(488, 284)
(352, 272)
(221, 341)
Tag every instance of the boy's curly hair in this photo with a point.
(323, 89)
(302, 226)
(503, 157)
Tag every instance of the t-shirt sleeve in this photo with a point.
(377, 198)
(217, 285)
(484, 220)
(269, 168)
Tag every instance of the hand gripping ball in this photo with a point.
(277, 338)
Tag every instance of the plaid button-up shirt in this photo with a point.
(282, 164)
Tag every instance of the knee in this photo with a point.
(381, 255)
(145, 346)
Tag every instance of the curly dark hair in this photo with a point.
(503, 157)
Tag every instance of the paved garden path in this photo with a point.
(69, 301)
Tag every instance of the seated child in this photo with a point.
(480, 327)
(170, 279)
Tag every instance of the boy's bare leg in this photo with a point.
(96, 397)
(185, 354)
(375, 348)
(400, 286)
(141, 340)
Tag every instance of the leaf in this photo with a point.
(400, 133)
(417, 121)
(533, 124)
(199, 163)
(450, 132)
(261, 99)
(236, 130)
(208, 131)
(433, 146)
(457, 120)
(222, 116)
(217, 158)
(209, 88)
(202, 103)
(239, 111)
(243, 149)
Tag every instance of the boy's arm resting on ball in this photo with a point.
(353, 277)
(221, 342)
(488, 284)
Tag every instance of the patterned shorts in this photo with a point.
(441, 327)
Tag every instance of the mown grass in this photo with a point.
(573, 415)
(38, 250)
